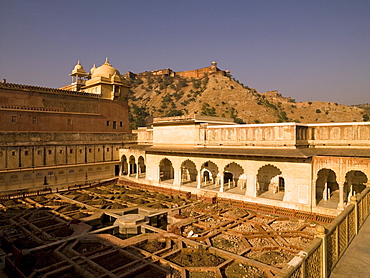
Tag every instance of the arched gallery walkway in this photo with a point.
(210, 175)
(133, 167)
(268, 181)
(330, 191)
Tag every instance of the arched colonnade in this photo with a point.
(263, 179)
(209, 173)
(329, 186)
(132, 166)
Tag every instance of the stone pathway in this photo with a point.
(355, 262)
(331, 203)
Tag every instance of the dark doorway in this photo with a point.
(116, 170)
(228, 177)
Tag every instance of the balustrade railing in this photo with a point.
(320, 258)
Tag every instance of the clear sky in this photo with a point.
(309, 50)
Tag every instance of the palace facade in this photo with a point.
(314, 167)
(63, 136)
(80, 133)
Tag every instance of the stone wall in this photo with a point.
(63, 176)
(29, 109)
(144, 135)
(197, 73)
(339, 134)
(261, 135)
(25, 150)
(55, 138)
(27, 159)
(278, 135)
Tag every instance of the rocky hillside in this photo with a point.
(217, 95)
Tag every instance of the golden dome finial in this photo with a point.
(106, 62)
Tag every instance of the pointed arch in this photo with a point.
(233, 174)
(355, 182)
(270, 182)
(142, 166)
(166, 171)
(132, 165)
(188, 171)
(124, 165)
(209, 171)
(326, 185)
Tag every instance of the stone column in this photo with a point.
(341, 195)
(159, 174)
(321, 233)
(176, 176)
(349, 189)
(251, 186)
(353, 201)
(137, 170)
(313, 193)
(217, 179)
(199, 180)
(275, 184)
(178, 180)
(325, 193)
(222, 182)
(120, 168)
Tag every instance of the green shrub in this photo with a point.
(207, 110)
(182, 83)
(174, 113)
(239, 121)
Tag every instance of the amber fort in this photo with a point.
(78, 186)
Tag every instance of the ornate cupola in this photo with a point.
(107, 82)
(92, 70)
(79, 77)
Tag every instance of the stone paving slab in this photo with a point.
(355, 262)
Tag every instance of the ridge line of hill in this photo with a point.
(223, 96)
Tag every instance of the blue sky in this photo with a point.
(308, 50)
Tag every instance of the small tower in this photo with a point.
(92, 70)
(214, 66)
(79, 76)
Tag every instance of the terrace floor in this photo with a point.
(75, 232)
(355, 262)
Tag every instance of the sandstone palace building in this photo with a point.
(80, 133)
(60, 136)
